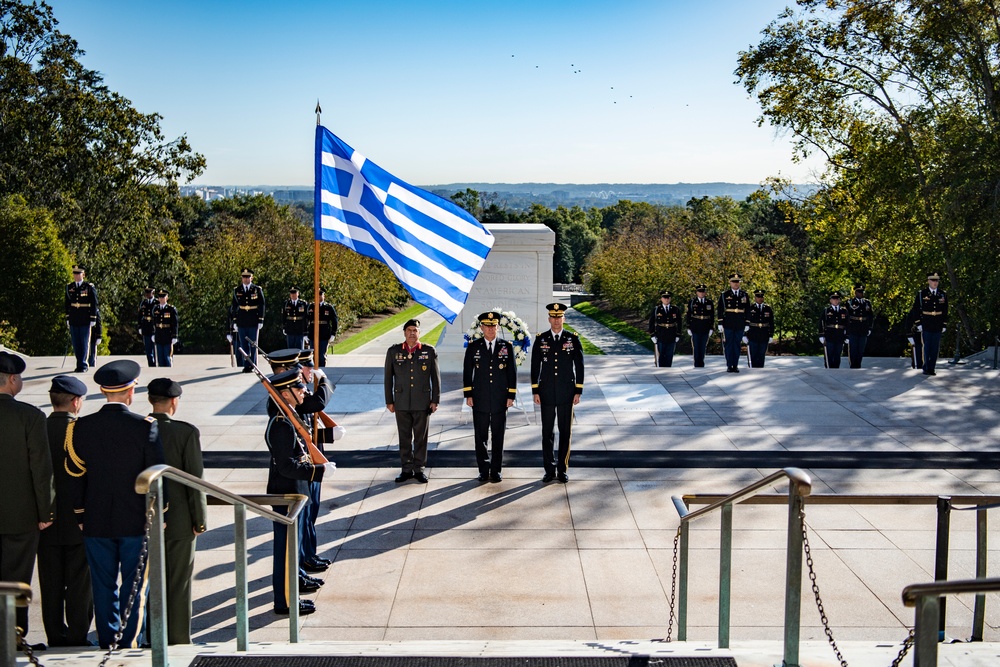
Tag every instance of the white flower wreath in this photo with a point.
(520, 336)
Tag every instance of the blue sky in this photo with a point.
(442, 92)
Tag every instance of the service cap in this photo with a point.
(859, 287)
(287, 379)
(78, 269)
(735, 278)
(162, 293)
(148, 291)
(491, 318)
(556, 309)
(279, 359)
(246, 273)
(666, 294)
(834, 295)
(758, 292)
(117, 375)
(701, 288)
(306, 358)
(933, 276)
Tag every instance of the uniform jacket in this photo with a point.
(145, 314)
(665, 322)
(81, 304)
(165, 323)
(110, 448)
(293, 317)
(933, 310)
(557, 369)
(182, 450)
(860, 316)
(328, 322)
(27, 492)
(760, 318)
(700, 316)
(64, 529)
(290, 469)
(733, 309)
(833, 323)
(315, 400)
(489, 379)
(412, 379)
(247, 308)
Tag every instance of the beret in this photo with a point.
(164, 387)
(11, 363)
(66, 384)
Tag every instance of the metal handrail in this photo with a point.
(926, 598)
(13, 594)
(150, 482)
(800, 486)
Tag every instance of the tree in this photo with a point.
(900, 96)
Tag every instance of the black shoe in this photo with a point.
(310, 579)
(307, 587)
(483, 477)
(305, 607)
(247, 369)
(496, 477)
(562, 477)
(312, 566)
(403, 476)
(38, 647)
(736, 369)
(322, 561)
(548, 477)
(420, 477)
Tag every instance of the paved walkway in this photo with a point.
(609, 341)
(588, 564)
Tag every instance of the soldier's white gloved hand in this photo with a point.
(140, 331)
(910, 340)
(720, 328)
(331, 468)
(305, 341)
(920, 327)
(653, 338)
(944, 329)
(339, 432)
(235, 328)
(229, 337)
(822, 340)
(770, 341)
(318, 372)
(746, 328)
(689, 333)
(173, 341)
(92, 324)
(869, 333)
(745, 341)
(260, 325)
(99, 340)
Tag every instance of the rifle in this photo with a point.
(289, 412)
(68, 347)
(232, 356)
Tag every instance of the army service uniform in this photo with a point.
(556, 377)
(665, 325)
(328, 324)
(166, 327)
(489, 378)
(412, 381)
(246, 316)
(860, 316)
(932, 306)
(833, 328)
(760, 319)
(293, 322)
(81, 315)
(145, 314)
(700, 316)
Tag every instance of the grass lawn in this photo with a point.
(431, 337)
(618, 326)
(381, 327)
(588, 347)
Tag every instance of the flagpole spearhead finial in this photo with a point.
(319, 111)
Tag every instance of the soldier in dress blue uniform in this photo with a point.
(489, 376)
(932, 305)
(328, 324)
(556, 386)
(913, 337)
(833, 331)
(105, 453)
(63, 573)
(166, 326)
(294, 319)
(733, 306)
(860, 316)
(665, 329)
(246, 318)
(760, 319)
(290, 471)
(27, 493)
(700, 316)
(81, 316)
(181, 450)
(412, 383)
(145, 314)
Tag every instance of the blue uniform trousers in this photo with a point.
(308, 543)
(732, 347)
(758, 352)
(150, 346)
(699, 341)
(550, 411)
(107, 556)
(294, 341)
(242, 333)
(665, 350)
(279, 581)
(81, 345)
(856, 348)
(932, 345)
(163, 357)
(834, 349)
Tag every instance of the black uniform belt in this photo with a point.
(858, 319)
(248, 307)
(293, 319)
(925, 312)
(754, 324)
(668, 326)
(701, 317)
(87, 305)
(148, 319)
(735, 310)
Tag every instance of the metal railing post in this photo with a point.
(292, 570)
(8, 638)
(793, 577)
(979, 612)
(925, 633)
(156, 570)
(725, 572)
(240, 538)
(941, 552)
(682, 584)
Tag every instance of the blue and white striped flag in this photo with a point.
(434, 247)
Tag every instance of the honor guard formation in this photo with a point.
(68, 481)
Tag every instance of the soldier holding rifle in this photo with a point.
(833, 331)
(246, 317)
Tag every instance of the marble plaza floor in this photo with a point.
(521, 563)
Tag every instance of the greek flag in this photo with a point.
(434, 247)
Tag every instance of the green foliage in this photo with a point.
(37, 269)
(369, 334)
(618, 326)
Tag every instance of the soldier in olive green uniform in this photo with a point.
(181, 450)
(27, 492)
(412, 393)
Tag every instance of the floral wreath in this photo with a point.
(521, 337)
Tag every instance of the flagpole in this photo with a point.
(316, 313)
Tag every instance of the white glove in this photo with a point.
(260, 325)
(318, 372)
(339, 432)
(689, 333)
(822, 340)
(920, 327)
(910, 340)
(745, 341)
(331, 467)
(235, 328)
(770, 341)
(746, 328)
(229, 337)
(92, 324)
(653, 338)
(720, 328)
(305, 341)
(173, 341)
(99, 340)
(869, 333)
(944, 329)
(282, 332)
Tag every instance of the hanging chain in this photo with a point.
(137, 580)
(673, 588)
(23, 644)
(907, 643)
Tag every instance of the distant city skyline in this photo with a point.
(446, 91)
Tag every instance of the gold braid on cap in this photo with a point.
(71, 453)
(113, 389)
